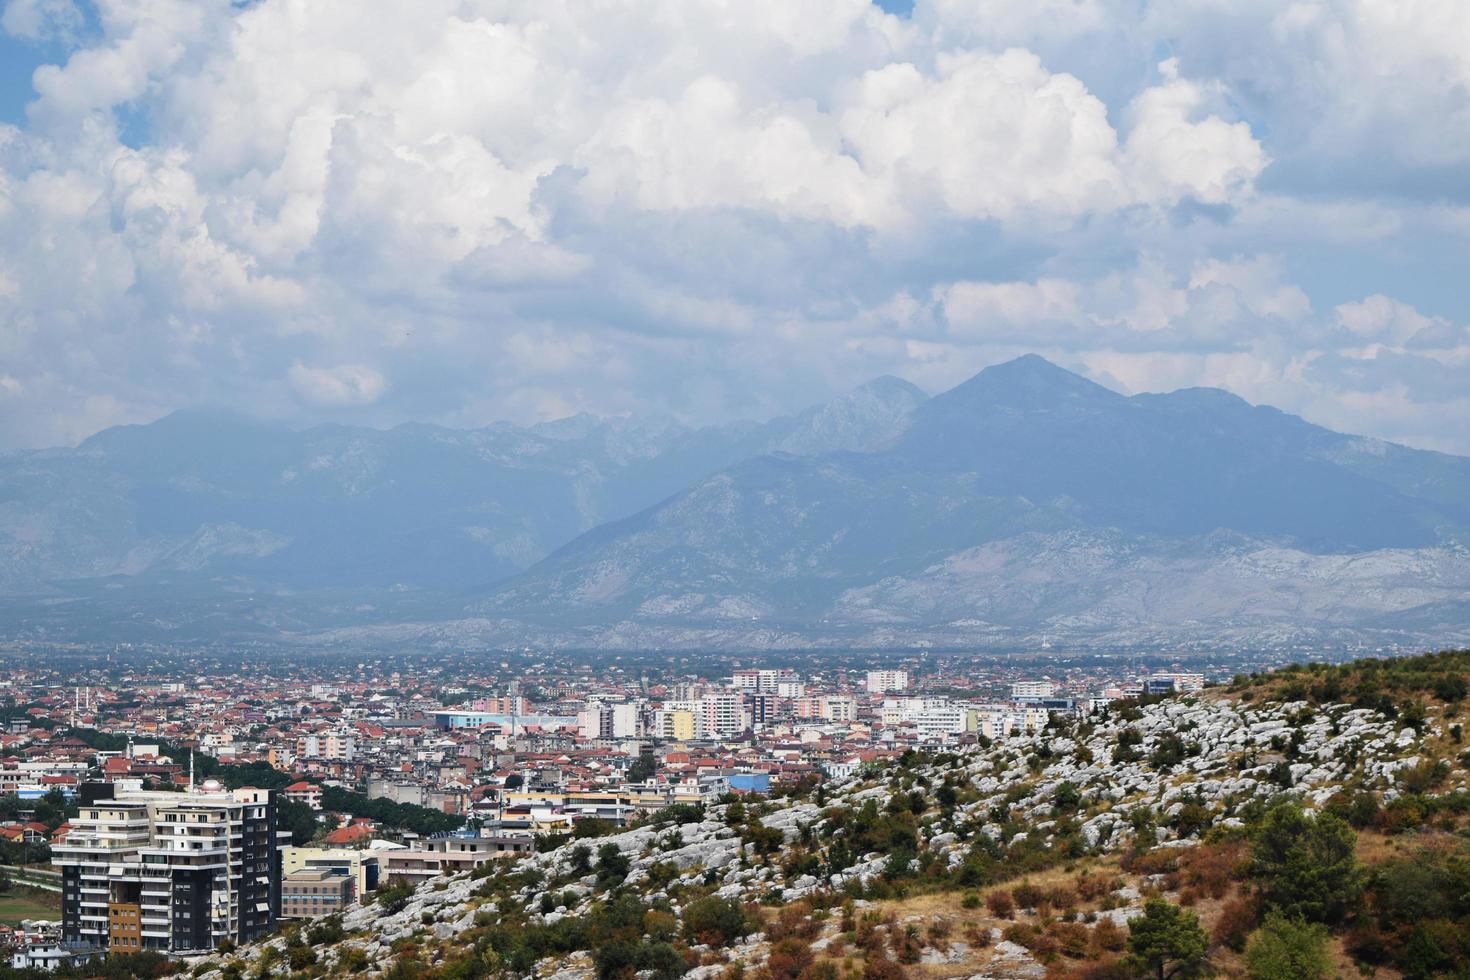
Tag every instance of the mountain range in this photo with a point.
(1026, 504)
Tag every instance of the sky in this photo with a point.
(462, 211)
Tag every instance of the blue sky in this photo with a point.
(460, 212)
(18, 59)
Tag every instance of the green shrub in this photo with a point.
(715, 921)
(1288, 949)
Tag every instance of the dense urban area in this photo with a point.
(156, 808)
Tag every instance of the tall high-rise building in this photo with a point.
(169, 871)
(595, 721)
(723, 714)
(627, 720)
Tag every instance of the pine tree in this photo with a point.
(1167, 942)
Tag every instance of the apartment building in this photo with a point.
(882, 681)
(332, 746)
(790, 687)
(1028, 690)
(723, 713)
(314, 892)
(676, 724)
(839, 708)
(169, 871)
(627, 720)
(940, 722)
(762, 680)
(304, 792)
(1166, 681)
(359, 866)
(448, 855)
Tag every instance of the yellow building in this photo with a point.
(361, 866)
(679, 726)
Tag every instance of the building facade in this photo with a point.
(882, 681)
(313, 892)
(170, 871)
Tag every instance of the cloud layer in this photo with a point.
(466, 210)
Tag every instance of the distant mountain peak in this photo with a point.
(865, 418)
(1023, 386)
(888, 385)
(1034, 374)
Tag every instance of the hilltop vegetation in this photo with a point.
(1310, 823)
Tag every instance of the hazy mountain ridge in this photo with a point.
(1029, 501)
(336, 506)
(1026, 503)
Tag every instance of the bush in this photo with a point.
(1359, 809)
(1291, 948)
(881, 968)
(326, 932)
(1000, 904)
(394, 897)
(715, 921)
(1027, 895)
(1074, 938)
(1108, 937)
(789, 959)
(794, 920)
(1236, 920)
(612, 866)
(590, 827)
(354, 960)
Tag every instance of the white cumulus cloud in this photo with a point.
(461, 210)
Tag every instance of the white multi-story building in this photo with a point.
(1025, 690)
(896, 711)
(790, 687)
(627, 720)
(882, 681)
(333, 746)
(940, 722)
(992, 722)
(764, 680)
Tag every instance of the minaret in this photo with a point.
(191, 770)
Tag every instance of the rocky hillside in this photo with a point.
(1315, 818)
(1029, 502)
